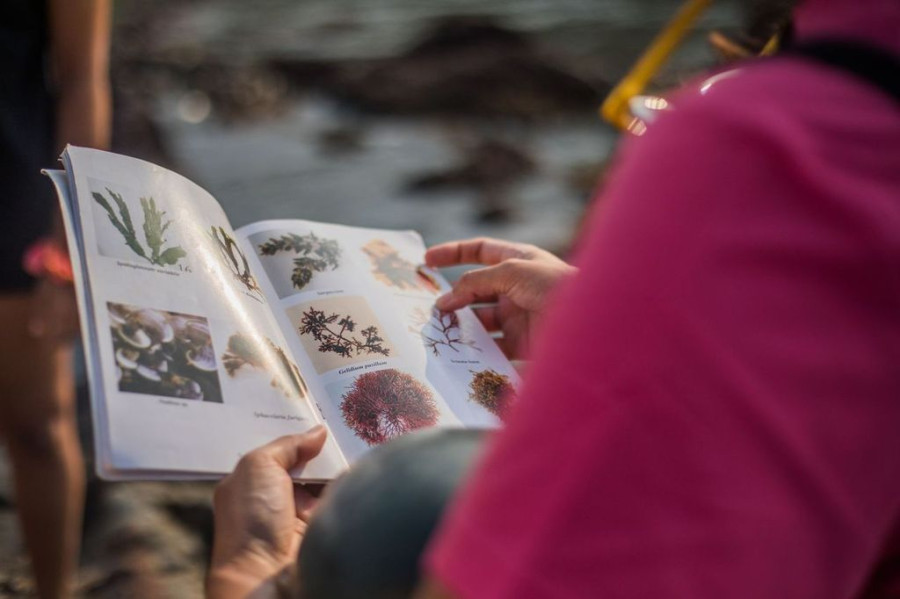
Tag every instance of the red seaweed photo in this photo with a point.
(384, 404)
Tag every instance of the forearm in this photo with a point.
(80, 39)
(84, 113)
(84, 118)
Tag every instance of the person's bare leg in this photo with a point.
(37, 416)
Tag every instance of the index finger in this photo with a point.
(292, 450)
(482, 250)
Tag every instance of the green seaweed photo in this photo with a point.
(314, 254)
(153, 247)
(234, 259)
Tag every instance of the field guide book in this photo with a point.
(203, 342)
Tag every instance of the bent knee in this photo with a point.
(40, 440)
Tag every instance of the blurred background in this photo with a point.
(453, 117)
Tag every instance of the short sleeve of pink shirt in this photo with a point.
(713, 409)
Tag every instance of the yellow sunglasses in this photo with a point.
(625, 107)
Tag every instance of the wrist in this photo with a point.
(226, 582)
(249, 574)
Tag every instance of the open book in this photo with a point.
(203, 342)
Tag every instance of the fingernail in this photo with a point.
(315, 430)
(442, 302)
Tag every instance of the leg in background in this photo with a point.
(38, 422)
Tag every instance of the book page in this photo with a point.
(188, 368)
(357, 310)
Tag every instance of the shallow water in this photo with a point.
(612, 31)
(275, 168)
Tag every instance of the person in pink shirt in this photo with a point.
(713, 405)
(713, 402)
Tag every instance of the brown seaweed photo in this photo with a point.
(340, 331)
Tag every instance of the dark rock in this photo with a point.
(197, 518)
(451, 34)
(494, 207)
(489, 164)
(463, 66)
(305, 74)
(341, 140)
(238, 92)
(16, 586)
(131, 538)
(112, 580)
(491, 168)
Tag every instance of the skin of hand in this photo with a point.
(260, 518)
(515, 280)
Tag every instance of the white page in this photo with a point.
(200, 404)
(432, 370)
(86, 317)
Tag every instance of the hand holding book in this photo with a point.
(261, 517)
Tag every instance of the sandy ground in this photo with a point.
(140, 539)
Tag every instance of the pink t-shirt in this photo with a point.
(713, 409)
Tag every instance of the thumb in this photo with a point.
(293, 450)
(482, 284)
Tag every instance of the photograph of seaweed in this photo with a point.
(440, 330)
(314, 254)
(384, 404)
(339, 331)
(267, 358)
(163, 353)
(153, 249)
(391, 269)
(492, 390)
(334, 332)
(234, 259)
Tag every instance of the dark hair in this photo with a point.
(766, 18)
(368, 535)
